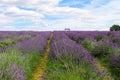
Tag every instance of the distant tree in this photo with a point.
(115, 28)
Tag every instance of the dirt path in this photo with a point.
(40, 70)
(104, 71)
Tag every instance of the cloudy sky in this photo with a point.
(45, 15)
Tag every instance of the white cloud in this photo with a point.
(29, 3)
(8, 28)
(4, 20)
(15, 12)
(88, 18)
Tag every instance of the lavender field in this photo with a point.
(60, 55)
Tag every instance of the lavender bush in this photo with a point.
(115, 66)
(65, 47)
(14, 72)
(103, 49)
(73, 54)
(10, 62)
(34, 44)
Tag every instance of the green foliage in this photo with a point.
(115, 66)
(80, 39)
(33, 62)
(107, 59)
(115, 28)
(9, 35)
(102, 50)
(9, 58)
(116, 40)
(89, 45)
(64, 68)
(5, 43)
(27, 61)
(98, 38)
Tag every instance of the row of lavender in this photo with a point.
(34, 44)
(103, 36)
(62, 46)
(18, 61)
(104, 45)
(14, 34)
(84, 46)
(7, 39)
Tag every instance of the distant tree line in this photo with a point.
(115, 28)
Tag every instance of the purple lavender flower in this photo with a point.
(34, 44)
(66, 46)
(15, 72)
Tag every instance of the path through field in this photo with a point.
(40, 70)
(104, 70)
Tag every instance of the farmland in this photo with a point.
(60, 55)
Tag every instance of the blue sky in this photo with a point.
(75, 3)
(46, 15)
